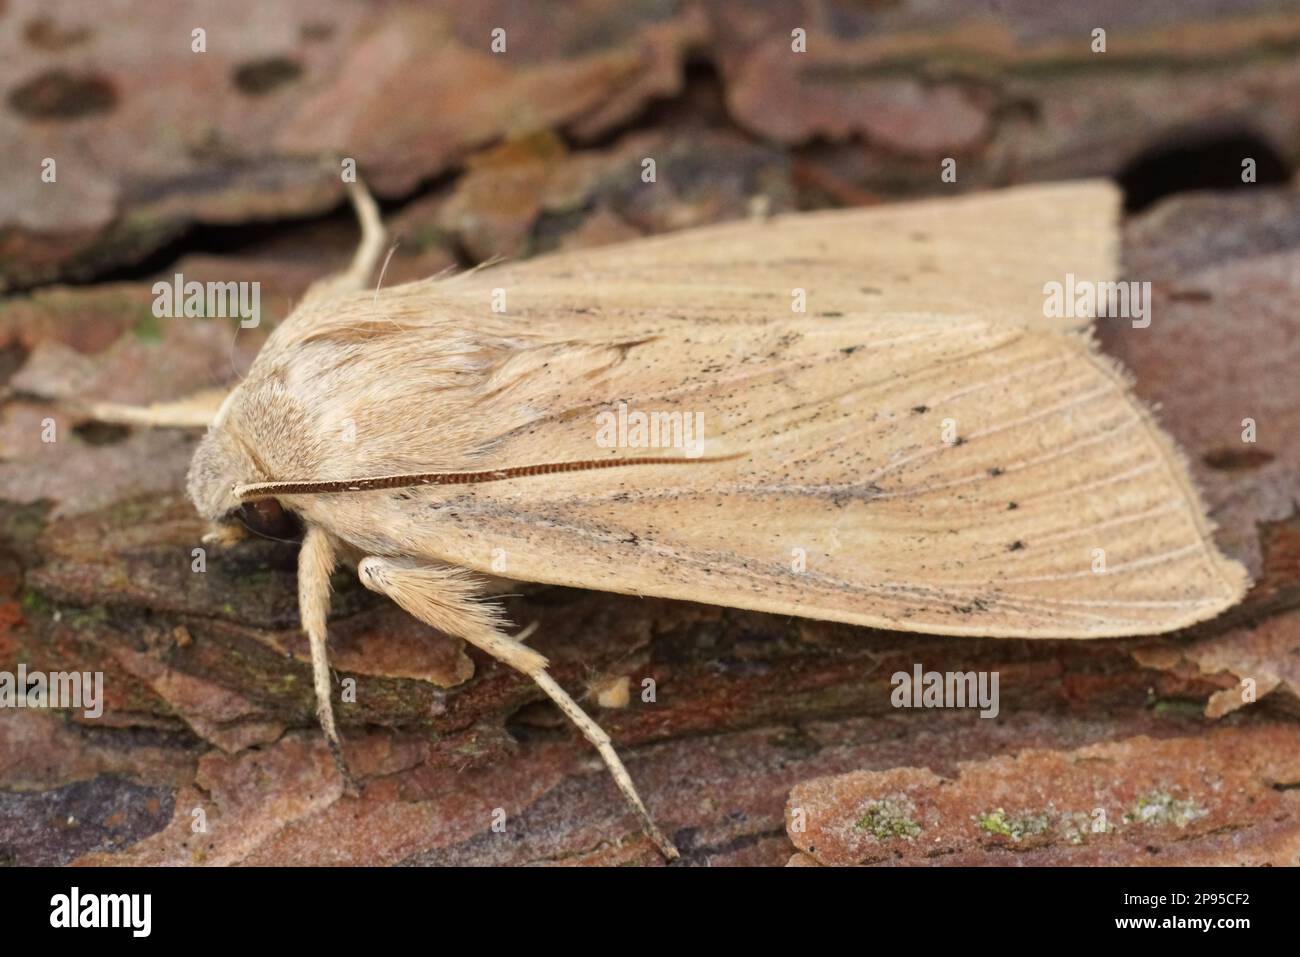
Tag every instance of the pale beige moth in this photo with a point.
(892, 434)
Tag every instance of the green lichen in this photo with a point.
(1178, 707)
(994, 822)
(21, 524)
(889, 818)
(1015, 827)
(1078, 828)
(88, 617)
(1160, 808)
(148, 328)
(33, 603)
(1072, 827)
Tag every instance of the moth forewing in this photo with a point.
(915, 448)
(862, 512)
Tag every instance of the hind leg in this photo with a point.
(447, 599)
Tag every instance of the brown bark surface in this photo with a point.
(756, 719)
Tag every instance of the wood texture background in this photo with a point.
(209, 168)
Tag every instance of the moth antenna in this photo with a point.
(305, 487)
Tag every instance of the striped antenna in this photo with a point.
(271, 489)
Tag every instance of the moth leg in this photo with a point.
(373, 239)
(315, 562)
(224, 535)
(195, 411)
(449, 600)
(200, 409)
(373, 236)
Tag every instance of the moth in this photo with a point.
(890, 433)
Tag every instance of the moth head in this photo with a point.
(219, 464)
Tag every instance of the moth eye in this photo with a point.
(267, 518)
